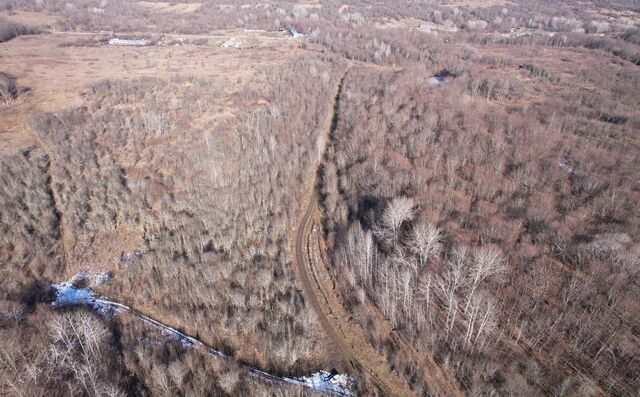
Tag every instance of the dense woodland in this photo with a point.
(497, 231)
(205, 203)
(479, 190)
(601, 17)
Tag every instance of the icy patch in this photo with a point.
(186, 341)
(436, 80)
(91, 279)
(68, 294)
(231, 43)
(322, 381)
(331, 382)
(129, 42)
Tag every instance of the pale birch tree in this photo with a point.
(425, 241)
(487, 262)
(399, 210)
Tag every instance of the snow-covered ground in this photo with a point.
(129, 42)
(68, 294)
(233, 42)
(330, 382)
(436, 80)
(92, 279)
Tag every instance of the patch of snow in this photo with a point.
(331, 382)
(67, 294)
(101, 278)
(129, 42)
(92, 279)
(322, 381)
(130, 256)
(429, 27)
(232, 43)
(435, 80)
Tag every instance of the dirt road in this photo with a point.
(352, 343)
(319, 289)
(351, 340)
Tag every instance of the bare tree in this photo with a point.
(399, 210)
(426, 291)
(154, 123)
(78, 340)
(79, 330)
(453, 279)
(112, 391)
(360, 251)
(10, 368)
(425, 241)
(487, 262)
(480, 321)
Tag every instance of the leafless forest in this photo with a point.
(499, 239)
(476, 166)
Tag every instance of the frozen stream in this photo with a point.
(67, 294)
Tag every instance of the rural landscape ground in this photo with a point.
(375, 198)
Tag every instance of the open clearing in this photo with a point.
(77, 61)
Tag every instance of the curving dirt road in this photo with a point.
(351, 340)
(352, 343)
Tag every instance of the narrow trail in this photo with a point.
(355, 350)
(319, 288)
